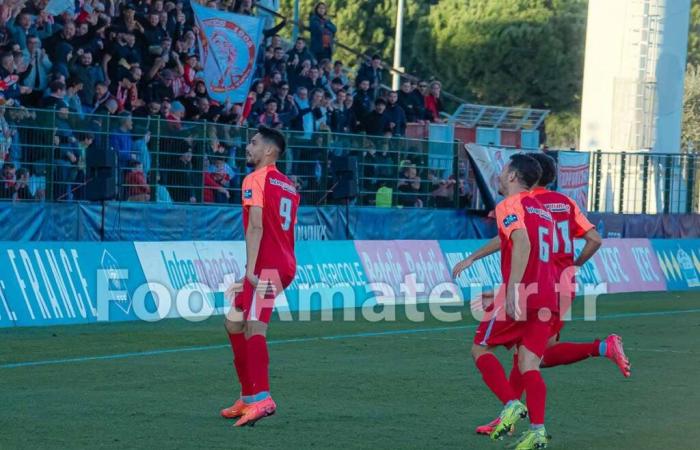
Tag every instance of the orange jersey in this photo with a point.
(271, 190)
(524, 212)
(569, 223)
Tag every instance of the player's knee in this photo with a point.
(527, 360)
(477, 351)
(255, 328)
(234, 327)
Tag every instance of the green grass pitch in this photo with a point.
(382, 385)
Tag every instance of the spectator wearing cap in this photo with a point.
(161, 88)
(409, 102)
(36, 76)
(176, 115)
(433, 104)
(20, 27)
(396, 115)
(322, 33)
(82, 68)
(372, 71)
(376, 123)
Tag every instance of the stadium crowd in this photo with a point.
(116, 74)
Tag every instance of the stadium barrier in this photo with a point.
(85, 282)
(125, 221)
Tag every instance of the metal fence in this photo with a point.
(204, 162)
(644, 183)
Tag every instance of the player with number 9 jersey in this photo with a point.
(272, 191)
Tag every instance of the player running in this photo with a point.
(570, 223)
(525, 310)
(270, 204)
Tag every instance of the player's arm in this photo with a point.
(253, 236)
(487, 249)
(520, 256)
(593, 243)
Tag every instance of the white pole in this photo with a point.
(396, 81)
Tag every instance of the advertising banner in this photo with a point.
(629, 265)
(679, 262)
(572, 176)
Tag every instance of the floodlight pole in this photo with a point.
(398, 40)
(295, 27)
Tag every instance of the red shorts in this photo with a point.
(255, 306)
(532, 333)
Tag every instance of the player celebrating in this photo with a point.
(270, 203)
(527, 298)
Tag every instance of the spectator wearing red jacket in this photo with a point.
(433, 104)
(138, 189)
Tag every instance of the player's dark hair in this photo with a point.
(549, 168)
(526, 168)
(273, 136)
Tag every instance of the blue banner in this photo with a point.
(228, 46)
(59, 283)
(680, 262)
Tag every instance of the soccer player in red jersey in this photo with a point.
(524, 311)
(270, 203)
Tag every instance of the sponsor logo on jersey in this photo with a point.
(286, 186)
(558, 207)
(540, 212)
(509, 220)
(248, 194)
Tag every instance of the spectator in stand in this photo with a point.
(138, 189)
(420, 93)
(153, 32)
(82, 68)
(102, 96)
(161, 88)
(339, 72)
(278, 62)
(216, 183)
(322, 33)
(72, 98)
(121, 142)
(178, 176)
(9, 79)
(286, 108)
(22, 191)
(411, 104)
(372, 71)
(305, 119)
(315, 82)
(36, 76)
(396, 115)
(376, 122)
(433, 104)
(270, 118)
(61, 57)
(20, 27)
(343, 117)
(55, 99)
(125, 93)
(362, 103)
(60, 40)
(122, 55)
(409, 186)
(297, 55)
(8, 181)
(336, 86)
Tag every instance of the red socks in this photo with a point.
(240, 361)
(536, 396)
(495, 377)
(516, 379)
(569, 353)
(258, 362)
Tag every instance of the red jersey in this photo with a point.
(524, 211)
(569, 223)
(271, 190)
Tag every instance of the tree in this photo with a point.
(690, 129)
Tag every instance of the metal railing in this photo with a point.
(644, 183)
(160, 160)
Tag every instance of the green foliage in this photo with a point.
(563, 130)
(690, 129)
(694, 35)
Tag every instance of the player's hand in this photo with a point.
(461, 267)
(487, 299)
(234, 289)
(512, 307)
